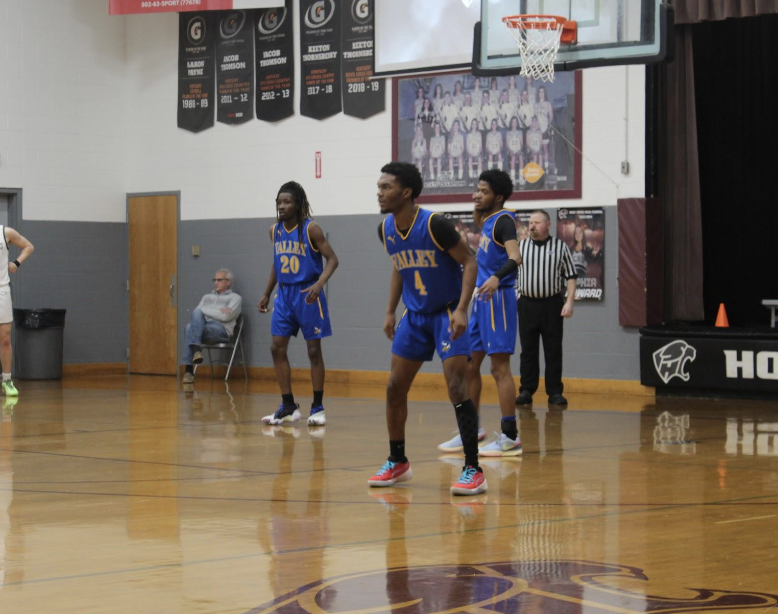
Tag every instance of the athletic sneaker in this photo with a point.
(317, 416)
(391, 473)
(283, 416)
(188, 378)
(197, 358)
(9, 389)
(455, 444)
(471, 482)
(501, 445)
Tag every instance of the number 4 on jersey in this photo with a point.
(418, 284)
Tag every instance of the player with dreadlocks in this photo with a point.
(299, 245)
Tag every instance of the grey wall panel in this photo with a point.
(81, 267)
(595, 345)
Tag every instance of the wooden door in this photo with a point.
(153, 222)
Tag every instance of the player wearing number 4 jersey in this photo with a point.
(434, 272)
(299, 248)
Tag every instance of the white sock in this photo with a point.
(6, 377)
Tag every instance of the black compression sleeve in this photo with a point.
(444, 232)
(508, 268)
(381, 232)
(504, 229)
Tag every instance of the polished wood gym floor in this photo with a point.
(127, 495)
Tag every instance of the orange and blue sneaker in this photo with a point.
(391, 473)
(471, 482)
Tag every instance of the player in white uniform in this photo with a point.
(468, 112)
(456, 149)
(494, 147)
(488, 112)
(545, 113)
(477, 93)
(526, 109)
(494, 92)
(514, 143)
(459, 96)
(437, 149)
(448, 113)
(514, 95)
(535, 142)
(419, 148)
(8, 236)
(508, 110)
(475, 146)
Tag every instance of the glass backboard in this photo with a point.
(610, 32)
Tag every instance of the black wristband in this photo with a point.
(17, 263)
(506, 269)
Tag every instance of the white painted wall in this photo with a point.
(63, 108)
(235, 171)
(88, 113)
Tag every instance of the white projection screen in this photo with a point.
(424, 35)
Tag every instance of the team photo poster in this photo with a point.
(453, 126)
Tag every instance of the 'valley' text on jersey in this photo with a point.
(431, 278)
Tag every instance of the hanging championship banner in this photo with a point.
(584, 232)
(195, 71)
(362, 97)
(235, 67)
(274, 30)
(320, 58)
(128, 7)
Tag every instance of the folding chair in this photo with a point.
(233, 344)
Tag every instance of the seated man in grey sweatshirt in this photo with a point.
(212, 322)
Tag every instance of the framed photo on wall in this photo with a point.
(453, 126)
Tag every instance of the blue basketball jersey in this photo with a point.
(491, 253)
(431, 278)
(295, 262)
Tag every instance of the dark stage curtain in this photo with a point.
(696, 11)
(679, 183)
(736, 81)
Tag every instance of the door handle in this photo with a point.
(172, 290)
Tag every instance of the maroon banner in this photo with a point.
(129, 7)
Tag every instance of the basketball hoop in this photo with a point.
(539, 37)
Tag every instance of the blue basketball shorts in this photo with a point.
(420, 335)
(291, 313)
(493, 323)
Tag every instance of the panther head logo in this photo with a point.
(671, 360)
(445, 346)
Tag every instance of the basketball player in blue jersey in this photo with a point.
(492, 322)
(435, 272)
(299, 245)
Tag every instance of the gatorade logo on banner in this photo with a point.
(274, 43)
(361, 97)
(320, 58)
(235, 68)
(195, 71)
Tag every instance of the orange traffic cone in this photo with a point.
(721, 319)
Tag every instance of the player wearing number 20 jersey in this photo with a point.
(297, 265)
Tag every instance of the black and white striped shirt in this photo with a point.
(545, 268)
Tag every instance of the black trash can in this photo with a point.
(38, 343)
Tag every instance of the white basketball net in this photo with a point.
(538, 46)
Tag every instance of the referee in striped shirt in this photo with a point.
(546, 270)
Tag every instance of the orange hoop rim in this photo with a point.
(518, 21)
